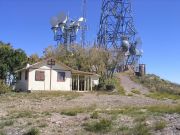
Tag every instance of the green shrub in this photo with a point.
(75, 111)
(4, 88)
(163, 95)
(33, 131)
(2, 132)
(110, 87)
(6, 123)
(164, 109)
(70, 112)
(24, 114)
(130, 94)
(141, 129)
(136, 91)
(160, 125)
(103, 125)
(94, 115)
(111, 84)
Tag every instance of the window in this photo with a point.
(19, 76)
(26, 74)
(39, 76)
(61, 77)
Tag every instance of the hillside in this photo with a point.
(109, 113)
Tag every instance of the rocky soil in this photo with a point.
(45, 112)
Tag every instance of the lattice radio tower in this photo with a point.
(117, 31)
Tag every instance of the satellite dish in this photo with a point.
(81, 19)
(54, 21)
(125, 43)
(62, 18)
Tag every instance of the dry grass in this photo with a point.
(76, 110)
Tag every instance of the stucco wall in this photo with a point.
(95, 80)
(45, 85)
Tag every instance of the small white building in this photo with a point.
(52, 75)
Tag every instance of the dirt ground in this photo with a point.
(90, 113)
(44, 111)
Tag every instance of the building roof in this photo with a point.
(60, 63)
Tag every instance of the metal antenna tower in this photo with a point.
(117, 31)
(83, 26)
(65, 29)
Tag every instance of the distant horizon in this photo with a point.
(26, 25)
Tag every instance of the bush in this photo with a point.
(136, 92)
(101, 86)
(4, 88)
(141, 129)
(110, 87)
(160, 125)
(33, 131)
(94, 115)
(103, 125)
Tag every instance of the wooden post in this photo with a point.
(91, 83)
(78, 82)
(88, 83)
(84, 83)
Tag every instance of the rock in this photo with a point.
(178, 127)
(148, 123)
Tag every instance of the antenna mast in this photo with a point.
(117, 31)
(84, 26)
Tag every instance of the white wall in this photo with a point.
(95, 80)
(22, 84)
(45, 85)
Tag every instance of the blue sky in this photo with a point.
(26, 24)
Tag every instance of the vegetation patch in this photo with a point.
(43, 125)
(141, 129)
(2, 132)
(103, 125)
(164, 109)
(4, 88)
(33, 131)
(6, 123)
(94, 115)
(132, 111)
(156, 84)
(76, 110)
(140, 119)
(111, 84)
(124, 130)
(163, 95)
(136, 91)
(130, 94)
(159, 125)
(23, 114)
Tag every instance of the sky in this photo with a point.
(26, 25)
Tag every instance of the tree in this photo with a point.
(97, 60)
(10, 60)
(34, 58)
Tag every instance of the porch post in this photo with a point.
(85, 83)
(88, 83)
(91, 83)
(78, 82)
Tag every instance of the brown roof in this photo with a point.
(65, 66)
